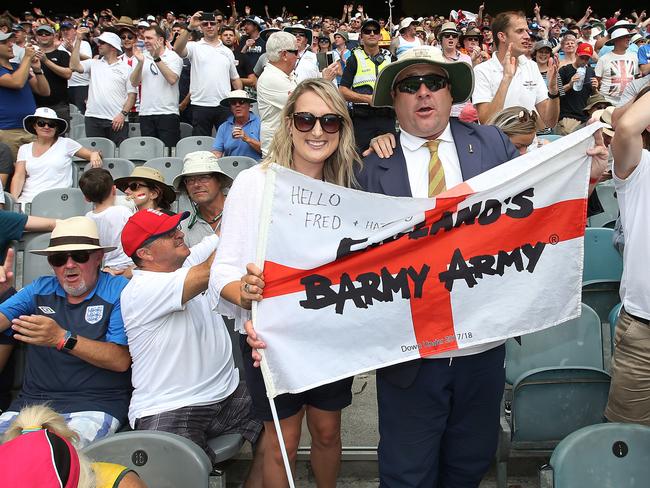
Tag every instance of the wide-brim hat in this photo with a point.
(74, 234)
(125, 22)
(472, 32)
(595, 99)
(267, 32)
(637, 37)
(448, 28)
(237, 95)
(199, 163)
(256, 21)
(148, 175)
(621, 24)
(343, 34)
(44, 113)
(111, 39)
(461, 75)
(604, 115)
(295, 28)
(406, 22)
(617, 34)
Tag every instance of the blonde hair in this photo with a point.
(41, 416)
(514, 121)
(339, 167)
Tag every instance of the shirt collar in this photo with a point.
(413, 143)
(101, 277)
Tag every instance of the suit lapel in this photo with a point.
(394, 180)
(468, 147)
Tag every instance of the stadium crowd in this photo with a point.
(128, 331)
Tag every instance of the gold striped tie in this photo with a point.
(436, 171)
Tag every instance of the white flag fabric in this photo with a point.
(356, 281)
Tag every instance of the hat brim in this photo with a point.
(227, 101)
(460, 74)
(620, 26)
(121, 27)
(307, 32)
(168, 192)
(71, 247)
(611, 41)
(28, 124)
(179, 179)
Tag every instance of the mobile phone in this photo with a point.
(209, 16)
(330, 58)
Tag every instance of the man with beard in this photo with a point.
(78, 83)
(252, 45)
(77, 355)
(244, 66)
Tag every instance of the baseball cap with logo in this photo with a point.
(585, 49)
(145, 224)
(45, 28)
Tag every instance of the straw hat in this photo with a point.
(448, 28)
(237, 95)
(74, 234)
(148, 175)
(605, 116)
(125, 22)
(44, 113)
(199, 163)
(617, 34)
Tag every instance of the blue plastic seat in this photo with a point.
(602, 261)
(605, 192)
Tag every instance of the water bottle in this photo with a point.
(577, 85)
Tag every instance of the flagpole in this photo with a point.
(283, 449)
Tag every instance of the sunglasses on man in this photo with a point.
(60, 258)
(412, 84)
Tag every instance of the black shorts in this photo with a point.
(332, 397)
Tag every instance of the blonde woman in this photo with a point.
(519, 124)
(38, 446)
(315, 138)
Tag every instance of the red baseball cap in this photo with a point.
(146, 224)
(585, 49)
(610, 22)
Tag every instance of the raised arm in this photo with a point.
(628, 141)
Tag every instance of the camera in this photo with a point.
(207, 16)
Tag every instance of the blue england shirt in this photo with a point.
(229, 146)
(68, 383)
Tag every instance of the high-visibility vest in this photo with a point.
(367, 70)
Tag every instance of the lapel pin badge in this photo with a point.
(470, 148)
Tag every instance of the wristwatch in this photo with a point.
(69, 341)
(553, 96)
(157, 60)
(125, 113)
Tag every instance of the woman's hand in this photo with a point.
(95, 159)
(254, 342)
(252, 286)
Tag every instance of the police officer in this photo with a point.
(358, 84)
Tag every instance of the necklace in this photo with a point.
(212, 221)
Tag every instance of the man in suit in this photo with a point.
(438, 417)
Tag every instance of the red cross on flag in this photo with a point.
(356, 281)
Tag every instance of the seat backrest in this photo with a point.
(134, 129)
(161, 459)
(60, 203)
(603, 456)
(193, 143)
(77, 131)
(605, 192)
(233, 165)
(169, 167)
(577, 342)
(141, 148)
(549, 137)
(550, 403)
(117, 167)
(602, 261)
(10, 202)
(33, 264)
(186, 130)
(105, 146)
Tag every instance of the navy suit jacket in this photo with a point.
(479, 147)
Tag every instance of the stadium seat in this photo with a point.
(547, 405)
(142, 148)
(600, 456)
(117, 167)
(161, 459)
(73, 109)
(101, 144)
(549, 137)
(601, 295)
(233, 165)
(612, 319)
(76, 118)
(60, 203)
(602, 261)
(605, 192)
(193, 143)
(33, 264)
(77, 131)
(186, 130)
(134, 129)
(169, 167)
(10, 202)
(577, 342)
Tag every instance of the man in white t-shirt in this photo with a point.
(616, 69)
(212, 74)
(111, 94)
(509, 78)
(158, 69)
(78, 83)
(629, 394)
(183, 373)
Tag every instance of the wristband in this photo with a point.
(593, 180)
(38, 73)
(124, 112)
(62, 342)
(553, 96)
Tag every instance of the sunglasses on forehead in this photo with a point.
(60, 258)
(412, 84)
(305, 121)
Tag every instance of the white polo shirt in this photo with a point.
(157, 96)
(306, 66)
(526, 89)
(213, 67)
(109, 87)
(273, 89)
(79, 79)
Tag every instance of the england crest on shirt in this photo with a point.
(94, 313)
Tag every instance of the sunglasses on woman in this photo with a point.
(134, 186)
(129, 37)
(60, 258)
(412, 84)
(305, 121)
(49, 123)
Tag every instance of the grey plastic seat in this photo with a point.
(60, 203)
(142, 148)
(169, 167)
(605, 192)
(105, 146)
(233, 165)
(134, 129)
(186, 130)
(77, 131)
(33, 264)
(601, 456)
(10, 202)
(161, 459)
(193, 143)
(117, 167)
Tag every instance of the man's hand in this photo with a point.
(7, 272)
(247, 10)
(36, 60)
(118, 122)
(332, 71)
(38, 11)
(588, 12)
(594, 83)
(551, 75)
(183, 105)
(382, 146)
(81, 31)
(85, 12)
(137, 52)
(617, 14)
(509, 63)
(37, 330)
(536, 10)
(30, 52)
(195, 20)
(599, 156)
